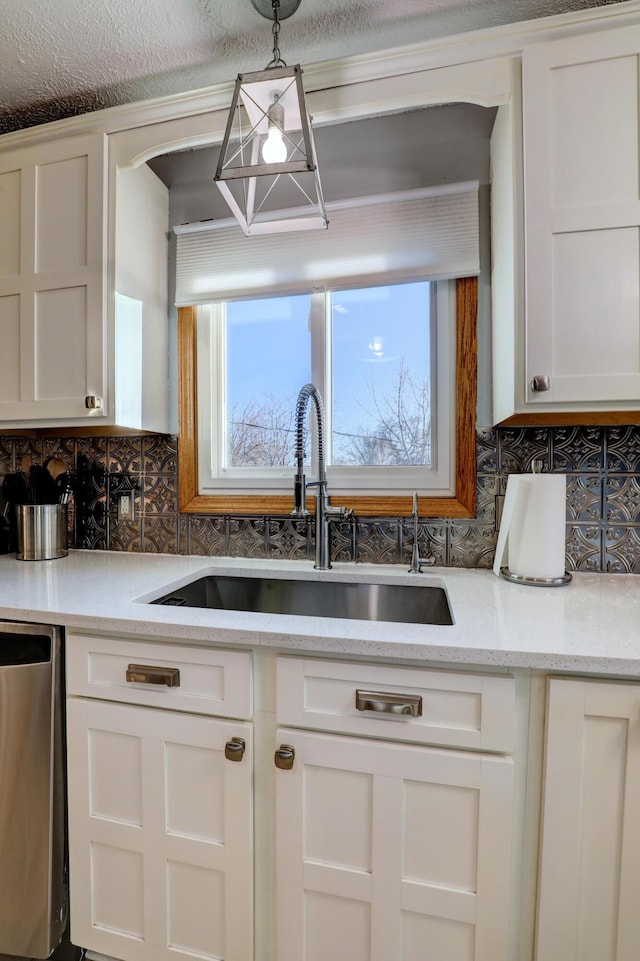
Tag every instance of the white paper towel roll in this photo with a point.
(531, 541)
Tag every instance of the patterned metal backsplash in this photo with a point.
(603, 502)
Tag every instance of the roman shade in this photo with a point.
(429, 234)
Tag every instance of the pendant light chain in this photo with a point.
(277, 60)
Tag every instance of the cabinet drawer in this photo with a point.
(454, 709)
(209, 681)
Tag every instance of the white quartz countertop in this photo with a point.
(591, 625)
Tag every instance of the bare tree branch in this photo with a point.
(262, 434)
(402, 435)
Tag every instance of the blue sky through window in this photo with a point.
(380, 335)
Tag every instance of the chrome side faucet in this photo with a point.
(324, 512)
(417, 563)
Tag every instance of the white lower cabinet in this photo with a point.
(390, 850)
(383, 832)
(590, 856)
(160, 806)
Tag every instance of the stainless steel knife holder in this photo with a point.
(41, 531)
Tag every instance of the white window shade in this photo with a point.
(432, 234)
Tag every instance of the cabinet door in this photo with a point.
(590, 862)
(160, 834)
(582, 207)
(389, 851)
(52, 248)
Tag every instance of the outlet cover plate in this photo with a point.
(126, 506)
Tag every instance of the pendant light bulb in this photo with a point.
(274, 149)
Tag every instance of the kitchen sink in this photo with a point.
(403, 603)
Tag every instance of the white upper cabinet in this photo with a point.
(52, 279)
(83, 289)
(140, 367)
(582, 222)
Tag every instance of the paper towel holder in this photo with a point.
(537, 466)
(536, 581)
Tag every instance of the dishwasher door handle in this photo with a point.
(148, 674)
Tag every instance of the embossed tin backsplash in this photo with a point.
(603, 502)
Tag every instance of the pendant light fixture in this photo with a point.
(267, 171)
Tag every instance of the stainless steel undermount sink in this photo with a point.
(402, 603)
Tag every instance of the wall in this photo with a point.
(603, 502)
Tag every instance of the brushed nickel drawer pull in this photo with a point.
(234, 749)
(146, 674)
(91, 402)
(384, 703)
(284, 757)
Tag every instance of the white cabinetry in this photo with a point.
(52, 279)
(581, 102)
(139, 372)
(590, 862)
(84, 331)
(160, 801)
(387, 849)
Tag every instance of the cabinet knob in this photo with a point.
(284, 757)
(234, 749)
(540, 383)
(91, 402)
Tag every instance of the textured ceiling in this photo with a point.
(71, 56)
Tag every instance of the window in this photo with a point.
(377, 354)
(364, 311)
(382, 359)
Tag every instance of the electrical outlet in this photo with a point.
(126, 506)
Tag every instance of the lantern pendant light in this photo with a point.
(267, 171)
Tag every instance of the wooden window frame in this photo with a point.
(462, 504)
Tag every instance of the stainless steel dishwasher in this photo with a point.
(33, 901)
